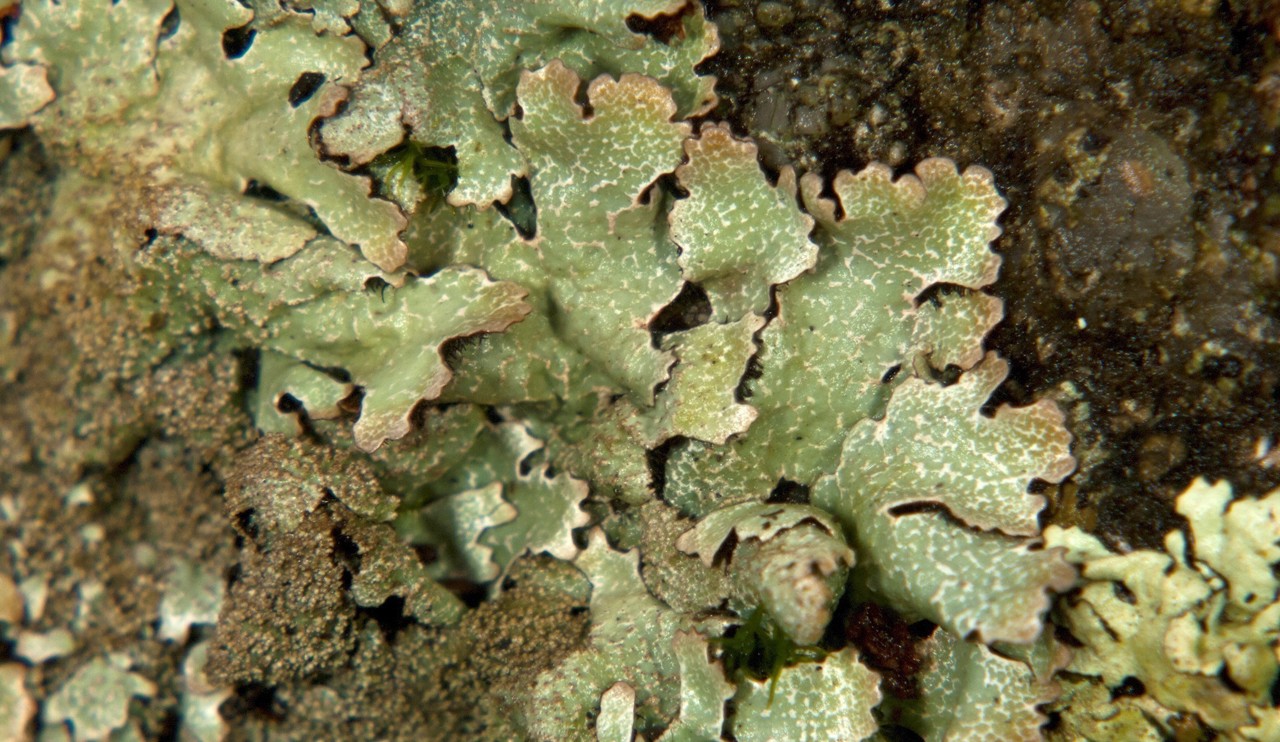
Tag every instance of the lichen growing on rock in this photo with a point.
(1196, 626)
(503, 397)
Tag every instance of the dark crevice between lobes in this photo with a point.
(789, 492)
(390, 617)
(656, 459)
(170, 24)
(690, 308)
(662, 28)
(754, 369)
(520, 209)
(236, 42)
(304, 87)
(258, 189)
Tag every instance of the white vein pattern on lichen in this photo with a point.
(176, 129)
(513, 386)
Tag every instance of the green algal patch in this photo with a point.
(758, 650)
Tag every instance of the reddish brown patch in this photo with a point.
(887, 645)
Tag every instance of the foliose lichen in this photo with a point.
(492, 376)
(1194, 627)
